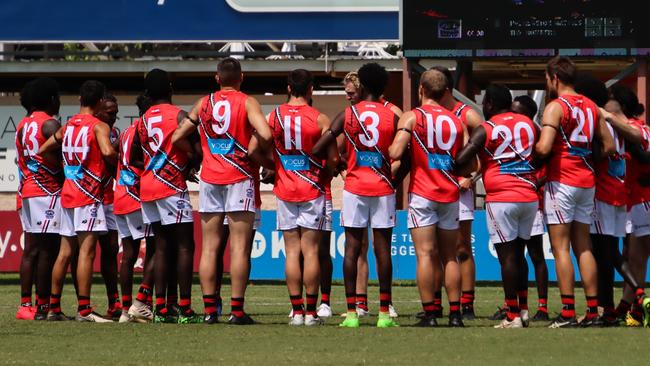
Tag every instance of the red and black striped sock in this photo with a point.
(351, 301)
(325, 298)
(237, 306)
(144, 292)
(149, 300)
(454, 308)
(312, 300)
(161, 307)
(83, 305)
(210, 304)
(26, 299)
(185, 303)
(437, 301)
(114, 300)
(568, 306)
(467, 299)
(609, 312)
(513, 309)
(592, 307)
(623, 307)
(640, 294)
(429, 308)
(384, 301)
(542, 305)
(55, 303)
(297, 304)
(523, 299)
(127, 301)
(362, 301)
(43, 303)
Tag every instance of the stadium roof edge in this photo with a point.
(191, 66)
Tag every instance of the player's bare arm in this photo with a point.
(136, 156)
(550, 126)
(53, 143)
(604, 136)
(49, 128)
(329, 137)
(466, 158)
(184, 142)
(333, 156)
(473, 119)
(613, 114)
(103, 133)
(187, 125)
(259, 123)
(398, 112)
(402, 138)
(262, 157)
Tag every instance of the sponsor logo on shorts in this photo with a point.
(49, 214)
(39, 223)
(93, 212)
(84, 221)
(249, 193)
(180, 205)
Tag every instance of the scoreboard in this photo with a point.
(524, 28)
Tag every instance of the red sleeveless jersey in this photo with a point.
(38, 177)
(635, 170)
(165, 164)
(109, 190)
(299, 175)
(127, 189)
(225, 134)
(83, 163)
(460, 110)
(369, 130)
(610, 185)
(435, 141)
(571, 161)
(508, 175)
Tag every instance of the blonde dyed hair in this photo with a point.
(352, 77)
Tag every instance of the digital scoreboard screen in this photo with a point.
(524, 28)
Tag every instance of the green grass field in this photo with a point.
(274, 342)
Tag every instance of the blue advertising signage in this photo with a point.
(268, 252)
(198, 20)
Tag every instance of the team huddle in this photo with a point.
(584, 173)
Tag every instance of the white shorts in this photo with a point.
(640, 216)
(23, 219)
(110, 217)
(309, 214)
(378, 212)
(176, 209)
(82, 219)
(131, 225)
(466, 205)
(608, 219)
(41, 215)
(424, 212)
(234, 197)
(329, 208)
(628, 223)
(256, 223)
(507, 221)
(564, 204)
(538, 224)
